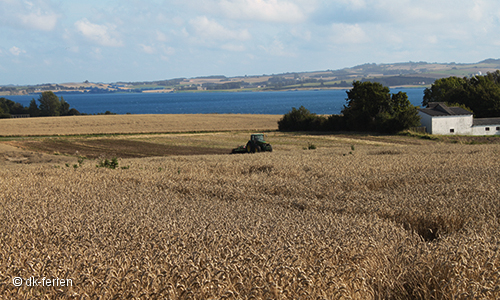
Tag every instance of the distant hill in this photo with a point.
(416, 74)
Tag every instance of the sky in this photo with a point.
(60, 41)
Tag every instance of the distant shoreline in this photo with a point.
(59, 92)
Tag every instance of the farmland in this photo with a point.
(359, 217)
(128, 124)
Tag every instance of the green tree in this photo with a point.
(3, 112)
(482, 95)
(9, 107)
(64, 107)
(33, 109)
(4, 108)
(365, 101)
(402, 115)
(371, 107)
(49, 104)
(18, 109)
(448, 89)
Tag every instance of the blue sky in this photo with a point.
(56, 41)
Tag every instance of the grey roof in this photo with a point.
(440, 109)
(485, 121)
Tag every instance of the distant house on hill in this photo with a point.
(438, 118)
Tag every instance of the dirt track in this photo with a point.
(11, 155)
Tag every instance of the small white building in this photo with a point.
(441, 119)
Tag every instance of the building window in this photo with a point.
(498, 128)
(452, 130)
(487, 129)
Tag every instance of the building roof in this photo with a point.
(485, 121)
(438, 109)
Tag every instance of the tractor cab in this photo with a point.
(257, 138)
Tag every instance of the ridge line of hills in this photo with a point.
(408, 74)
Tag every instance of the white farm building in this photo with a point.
(441, 119)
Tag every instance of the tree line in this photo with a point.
(480, 94)
(48, 105)
(370, 107)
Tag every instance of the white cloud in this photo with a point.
(100, 34)
(263, 10)
(277, 48)
(161, 37)
(148, 49)
(16, 51)
(36, 14)
(432, 39)
(157, 49)
(233, 47)
(39, 20)
(355, 4)
(168, 50)
(211, 30)
(349, 34)
(96, 53)
(301, 34)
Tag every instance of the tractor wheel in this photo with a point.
(250, 147)
(258, 148)
(269, 148)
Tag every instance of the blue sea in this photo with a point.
(275, 103)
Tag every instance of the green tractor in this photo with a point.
(255, 144)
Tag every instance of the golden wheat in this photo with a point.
(412, 222)
(116, 124)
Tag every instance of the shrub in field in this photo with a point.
(110, 164)
(81, 160)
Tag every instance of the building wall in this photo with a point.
(426, 120)
(452, 125)
(460, 124)
(481, 130)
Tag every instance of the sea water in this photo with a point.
(277, 103)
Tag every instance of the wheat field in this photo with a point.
(125, 124)
(360, 221)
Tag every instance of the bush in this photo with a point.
(301, 120)
(113, 164)
(336, 123)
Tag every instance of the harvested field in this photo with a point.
(147, 145)
(124, 124)
(112, 147)
(357, 218)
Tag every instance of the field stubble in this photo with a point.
(363, 222)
